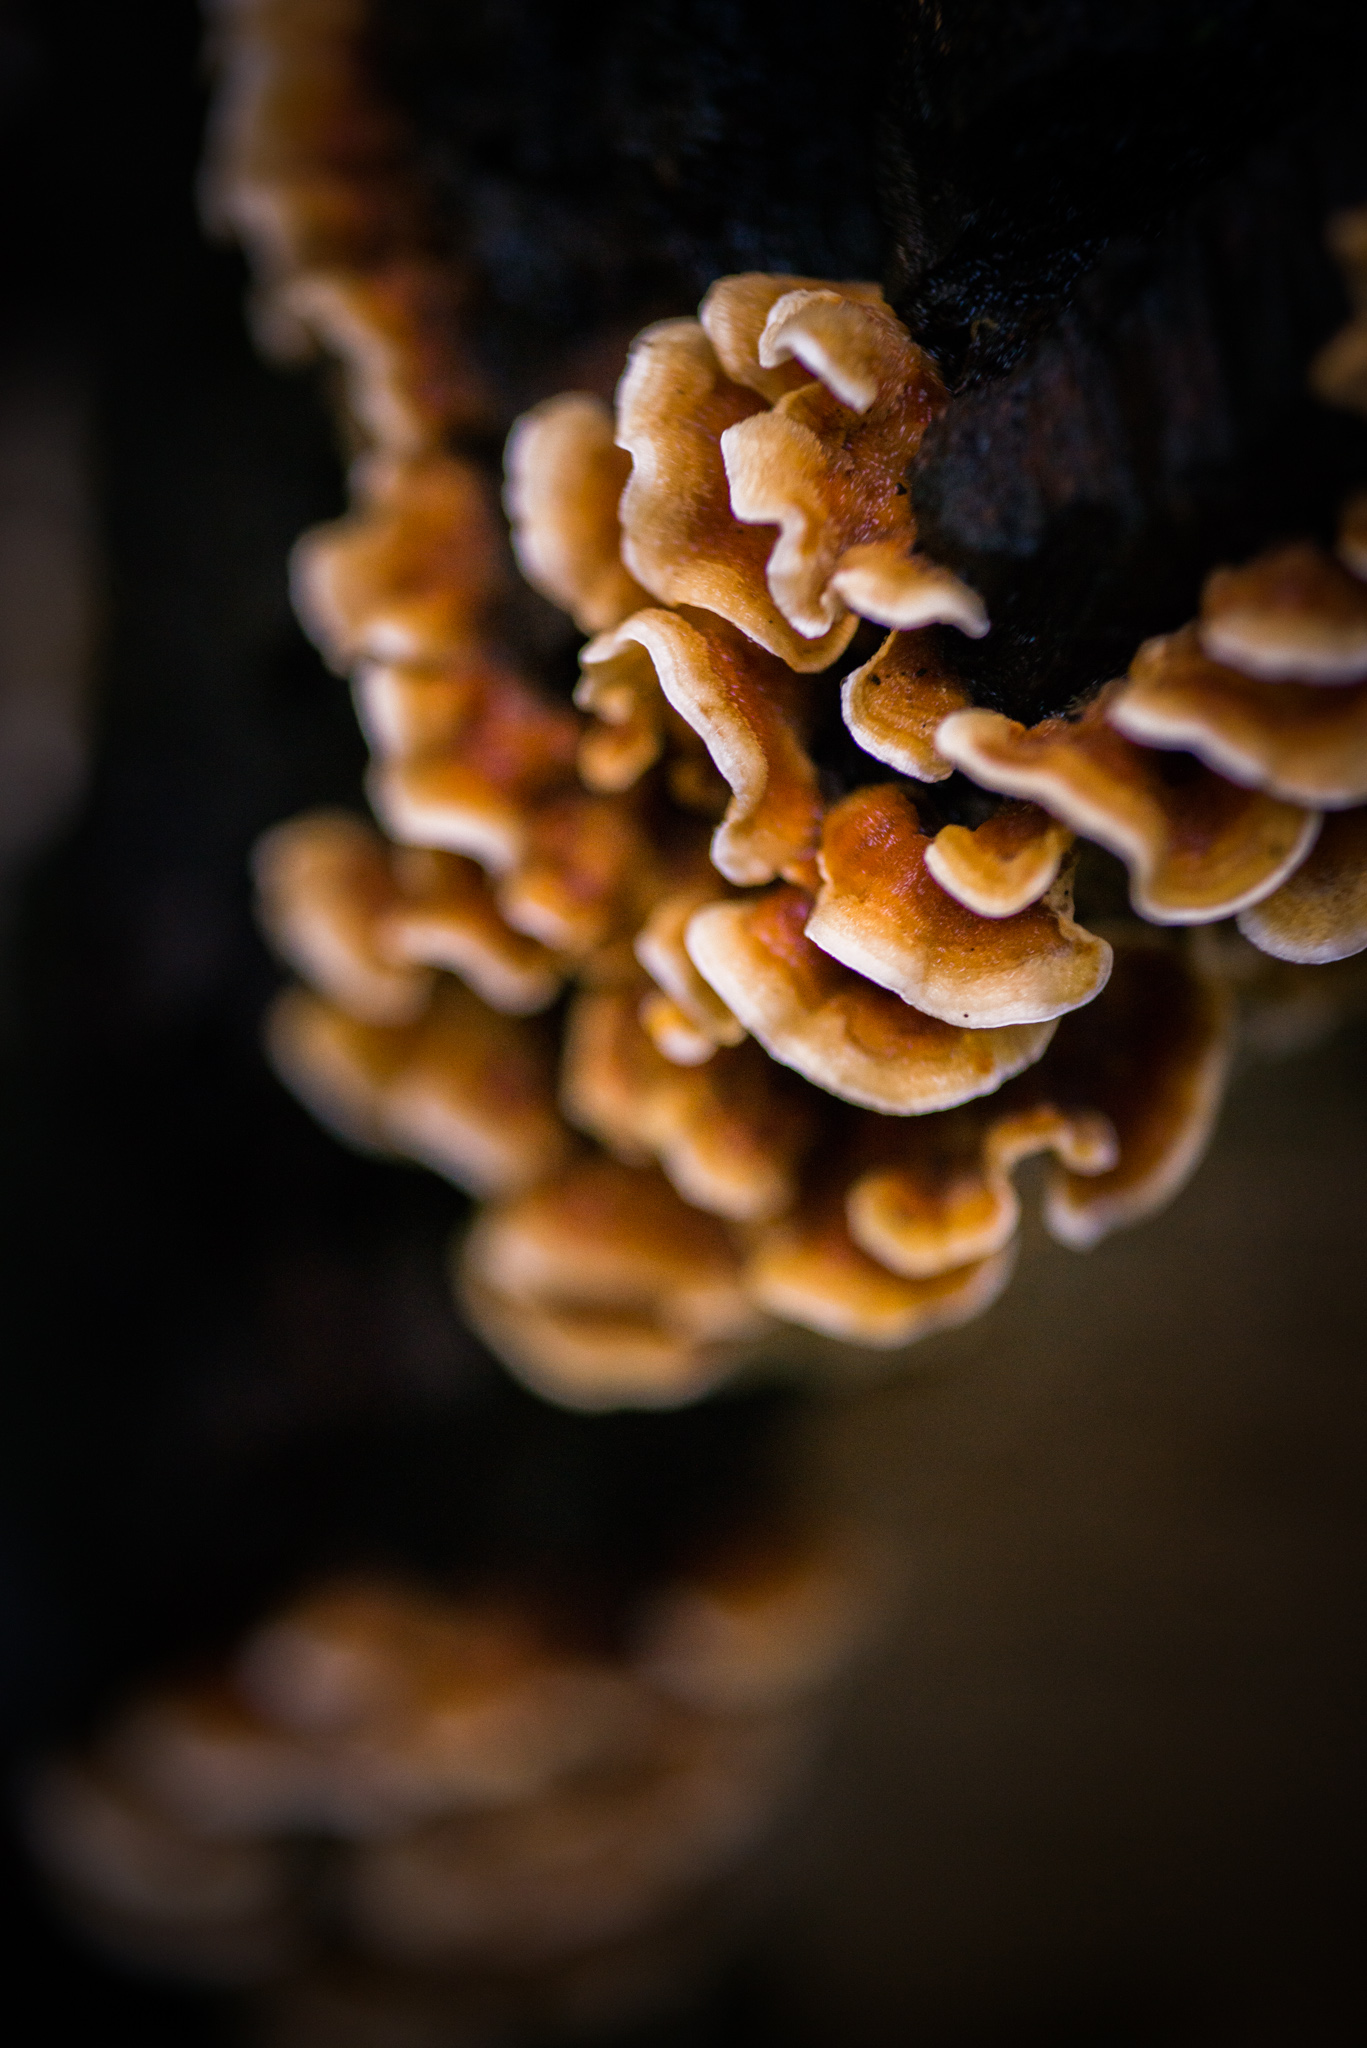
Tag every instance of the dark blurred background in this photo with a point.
(1101, 1782)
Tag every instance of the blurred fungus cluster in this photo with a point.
(389, 1786)
(738, 1039)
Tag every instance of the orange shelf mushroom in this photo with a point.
(1321, 913)
(894, 705)
(407, 576)
(1292, 615)
(943, 1197)
(809, 1270)
(881, 911)
(1197, 847)
(1003, 865)
(797, 1110)
(565, 476)
(827, 465)
(463, 1090)
(729, 1134)
(1307, 745)
(746, 706)
(855, 1040)
(394, 328)
(603, 1287)
(680, 537)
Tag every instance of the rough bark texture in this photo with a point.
(1105, 222)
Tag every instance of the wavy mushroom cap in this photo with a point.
(304, 164)
(405, 710)
(1001, 866)
(1197, 847)
(326, 890)
(661, 948)
(680, 537)
(828, 463)
(748, 708)
(565, 476)
(1293, 614)
(464, 1091)
(838, 1030)
(1152, 1055)
(728, 1134)
(938, 1194)
(605, 1288)
(475, 789)
(809, 1270)
(895, 704)
(587, 874)
(394, 327)
(447, 917)
(881, 912)
(409, 574)
(735, 313)
(1300, 742)
(1321, 913)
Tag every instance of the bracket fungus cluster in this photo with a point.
(815, 1014)
(468, 1781)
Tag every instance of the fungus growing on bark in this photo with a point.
(477, 1788)
(661, 948)
(748, 708)
(827, 465)
(306, 164)
(404, 711)
(1152, 1056)
(447, 916)
(1305, 743)
(463, 1090)
(838, 1030)
(680, 538)
(880, 911)
(1197, 847)
(728, 1134)
(395, 329)
(565, 476)
(938, 1194)
(894, 705)
(735, 313)
(325, 890)
(809, 1270)
(586, 875)
(720, 533)
(603, 1288)
(1291, 615)
(477, 790)
(408, 576)
(1321, 913)
(366, 923)
(1001, 866)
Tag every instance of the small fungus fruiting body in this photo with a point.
(882, 912)
(895, 703)
(822, 997)
(1197, 847)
